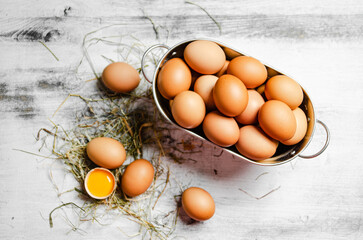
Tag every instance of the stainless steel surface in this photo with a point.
(144, 56)
(283, 154)
(327, 141)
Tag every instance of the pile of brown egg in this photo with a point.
(238, 101)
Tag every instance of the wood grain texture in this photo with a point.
(304, 26)
(319, 43)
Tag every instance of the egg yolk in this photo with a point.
(100, 183)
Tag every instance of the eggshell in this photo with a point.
(277, 120)
(249, 70)
(255, 144)
(106, 152)
(285, 89)
(120, 77)
(198, 204)
(301, 127)
(188, 109)
(204, 56)
(230, 95)
(249, 115)
(100, 183)
(137, 177)
(174, 77)
(223, 69)
(204, 87)
(261, 89)
(272, 72)
(220, 129)
(231, 53)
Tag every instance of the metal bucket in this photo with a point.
(283, 153)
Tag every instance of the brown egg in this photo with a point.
(301, 127)
(261, 89)
(255, 144)
(188, 109)
(223, 69)
(120, 77)
(174, 77)
(231, 53)
(249, 115)
(198, 204)
(249, 70)
(230, 95)
(106, 152)
(220, 129)
(204, 56)
(137, 177)
(284, 89)
(277, 120)
(204, 87)
(272, 72)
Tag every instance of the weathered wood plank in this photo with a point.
(297, 27)
(105, 8)
(317, 42)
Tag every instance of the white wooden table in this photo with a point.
(320, 43)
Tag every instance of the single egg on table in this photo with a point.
(188, 109)
(106, 152)
(249, 70)
(120, 77)
(230, 95)
(198, 204)
(100, 183)
(137, 177)
(174, 77)
(204, 56)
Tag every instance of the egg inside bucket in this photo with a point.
(283, 153)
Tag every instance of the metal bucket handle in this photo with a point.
(325, 144)
(144, 56)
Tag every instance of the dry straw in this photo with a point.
(131, 119)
